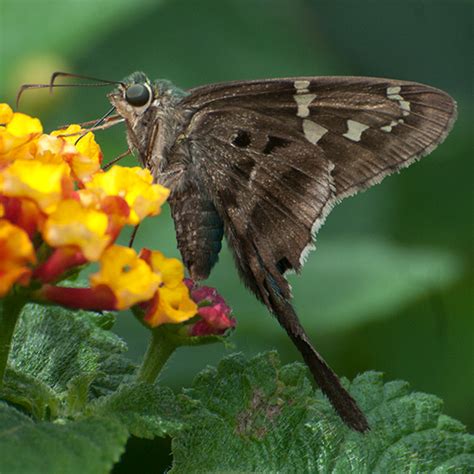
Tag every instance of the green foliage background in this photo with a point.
(390, 286)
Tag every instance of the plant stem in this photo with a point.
(159, 351)
(10, 309)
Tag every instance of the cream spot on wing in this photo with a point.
(405, 106)
(354, 130)
(393, 90)
(312, 131)
(303, 101)
(393, 93)
(393, 123)
(301, 86)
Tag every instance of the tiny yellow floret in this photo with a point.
(129, 277)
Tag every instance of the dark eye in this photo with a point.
(137, 95)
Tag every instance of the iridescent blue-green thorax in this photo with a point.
(160, 87)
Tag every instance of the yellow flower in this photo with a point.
(73, 225)
(44, 183)
(16, 252)
(171, 305)
(87, 157)
(170, 269)
(17, 135)
(135, 186)
(21, 125)
(6, 114)
(129, 277)
(52, 150)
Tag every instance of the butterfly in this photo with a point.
(263, 163)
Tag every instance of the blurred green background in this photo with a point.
(390, 286)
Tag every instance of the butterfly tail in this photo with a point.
(324, 376)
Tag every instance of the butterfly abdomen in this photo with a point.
(199, 230)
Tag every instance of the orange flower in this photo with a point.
(135, 186)
(23, 213)
(73, 225)
(129, 277)
(16, 252)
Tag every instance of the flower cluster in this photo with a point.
(60, 211)
(213, 311)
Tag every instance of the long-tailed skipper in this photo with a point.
(263, 163)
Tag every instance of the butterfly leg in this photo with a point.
(117, 159)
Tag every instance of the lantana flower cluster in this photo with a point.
(59, 211)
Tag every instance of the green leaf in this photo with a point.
(86, 446)
(56, 346)
(258, 416)
(146, 410)
(77, 395)
(31, 394)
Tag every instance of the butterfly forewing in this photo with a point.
(280, 153)
(367, 126)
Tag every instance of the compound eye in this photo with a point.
(137, 95)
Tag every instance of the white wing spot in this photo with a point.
(393, 93)
(405, 106)
(303, 101)
(354, 130)
(312, 131)
(393, 123)
(301, 86)
(393, 90)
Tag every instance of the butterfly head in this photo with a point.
(133, 97)
(136, 97)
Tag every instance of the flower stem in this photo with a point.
(159, 351)
(10, 309)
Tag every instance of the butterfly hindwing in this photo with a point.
(270, 187)
(271, 190)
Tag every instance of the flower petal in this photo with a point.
(6, 114)
(73, 225)
(86, 160)
(170, 269)
(21, 125)
(44, 183)
(171, 305)
(128, 276)
(23, 213)
(16, 253)
(135, 186)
